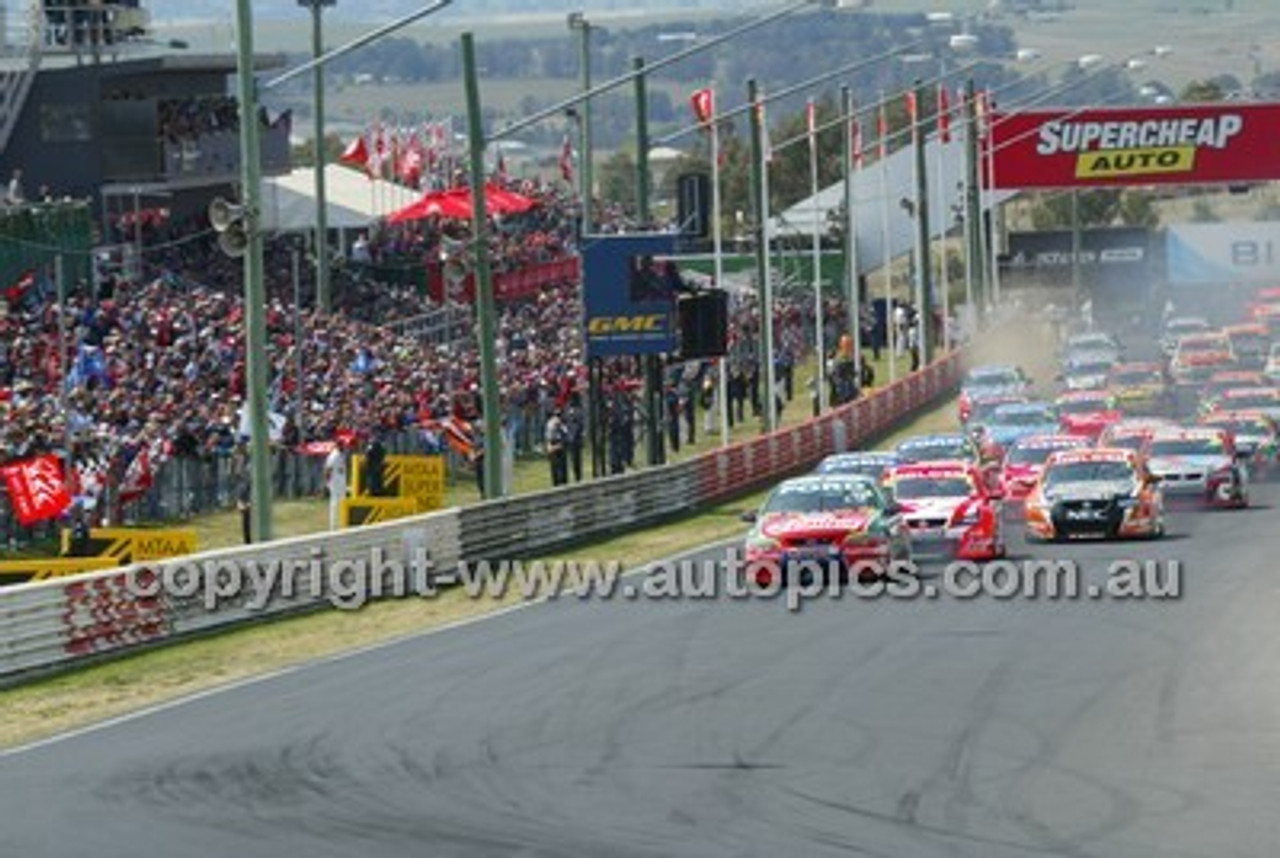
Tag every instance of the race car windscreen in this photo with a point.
(859, 469)
(1000, 378)
(1246, 402)
(1136, 377)
(1029, 455)
(1084, 406)
(1187, 447)
(919, 488)
(1199, 345)
(1084, 370)
(1020, 417)
(808, 497)
(941, 451)
(1087, 472)
(1242, 428)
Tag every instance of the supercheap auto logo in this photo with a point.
(1137, 147)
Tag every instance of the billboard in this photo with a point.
(1117, 265)
(1108, 147)
(1244, 252)
(630, 284)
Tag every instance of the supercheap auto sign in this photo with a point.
(1178, 144)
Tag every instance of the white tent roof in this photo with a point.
(353, 200)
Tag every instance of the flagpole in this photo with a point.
(60, 275)
(717, 241)
(852, 160)
(818, 322)
(891, 338)
(760, 169)
(944, 285)
(992, 213)
(971, 312)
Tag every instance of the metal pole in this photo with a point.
(60, 281)
(924, 282)
(298, 413)
(657, 453)
(254, 291)
(483, 277)
(819, 322)
(994, 229)
(323, 297)
(764, 284)
(717, 246)
(944, 212)
(586, 191)
(891, 329)
(1077, 280)
(975, 264)
(853, 303)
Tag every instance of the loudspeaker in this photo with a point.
(704, 324)
(233, 241)
(222, 214)
(693, 191)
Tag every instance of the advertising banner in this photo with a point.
(1246, 252)
(1180, 144)
(629, 295)
(1121, 254)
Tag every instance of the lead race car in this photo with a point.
(1104, 493)
(1024, 461)
(833, 522)
(950, 510)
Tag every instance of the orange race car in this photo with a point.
(1106, 493)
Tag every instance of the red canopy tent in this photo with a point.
(456, 204)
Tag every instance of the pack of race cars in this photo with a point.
(1101, 458)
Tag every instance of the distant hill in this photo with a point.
(163, 11)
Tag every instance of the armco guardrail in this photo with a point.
(57, 623)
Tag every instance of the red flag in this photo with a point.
(912, 107)
(944, 115)
(356, 154)
(811, 117)
(566, 160)
(36, 489)
(856, 136)
(411, 163)
(703, 103)
(501, 167)
(882, 131)
(137, 477)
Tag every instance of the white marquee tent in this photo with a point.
(354, 200)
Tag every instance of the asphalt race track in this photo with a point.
(978, 728)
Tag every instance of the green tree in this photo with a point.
(617, 178)
(1138, 209)
(1097, 208)
(1202, 90)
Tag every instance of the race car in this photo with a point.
(1254, 433)
(990, 379)
(1133, 433)
(1105, 493)
(867, 463)
(1086, 413)
(1025, 460)
(1200, 462)
(1199, 356)
(1086, 372)
(834, 522)
(1250, 342)
(950, 510)
(1220, 382)
(953, 447)
(1010, 422)
(1177, 328)
(1139, 388)
(1272, 370)
(1092, 343)
(982, 405)
(1264, 399)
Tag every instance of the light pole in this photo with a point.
(321, 242)
(579, 24)
(251, 206)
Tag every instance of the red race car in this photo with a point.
(1025, 460)
(1085, 413)
(949, 510)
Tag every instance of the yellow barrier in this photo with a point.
(44, 568)
(416, 478)
(354, 512)
(134, 544)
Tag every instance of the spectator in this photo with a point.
(15, 196)
(335, 481)
(557, 441)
